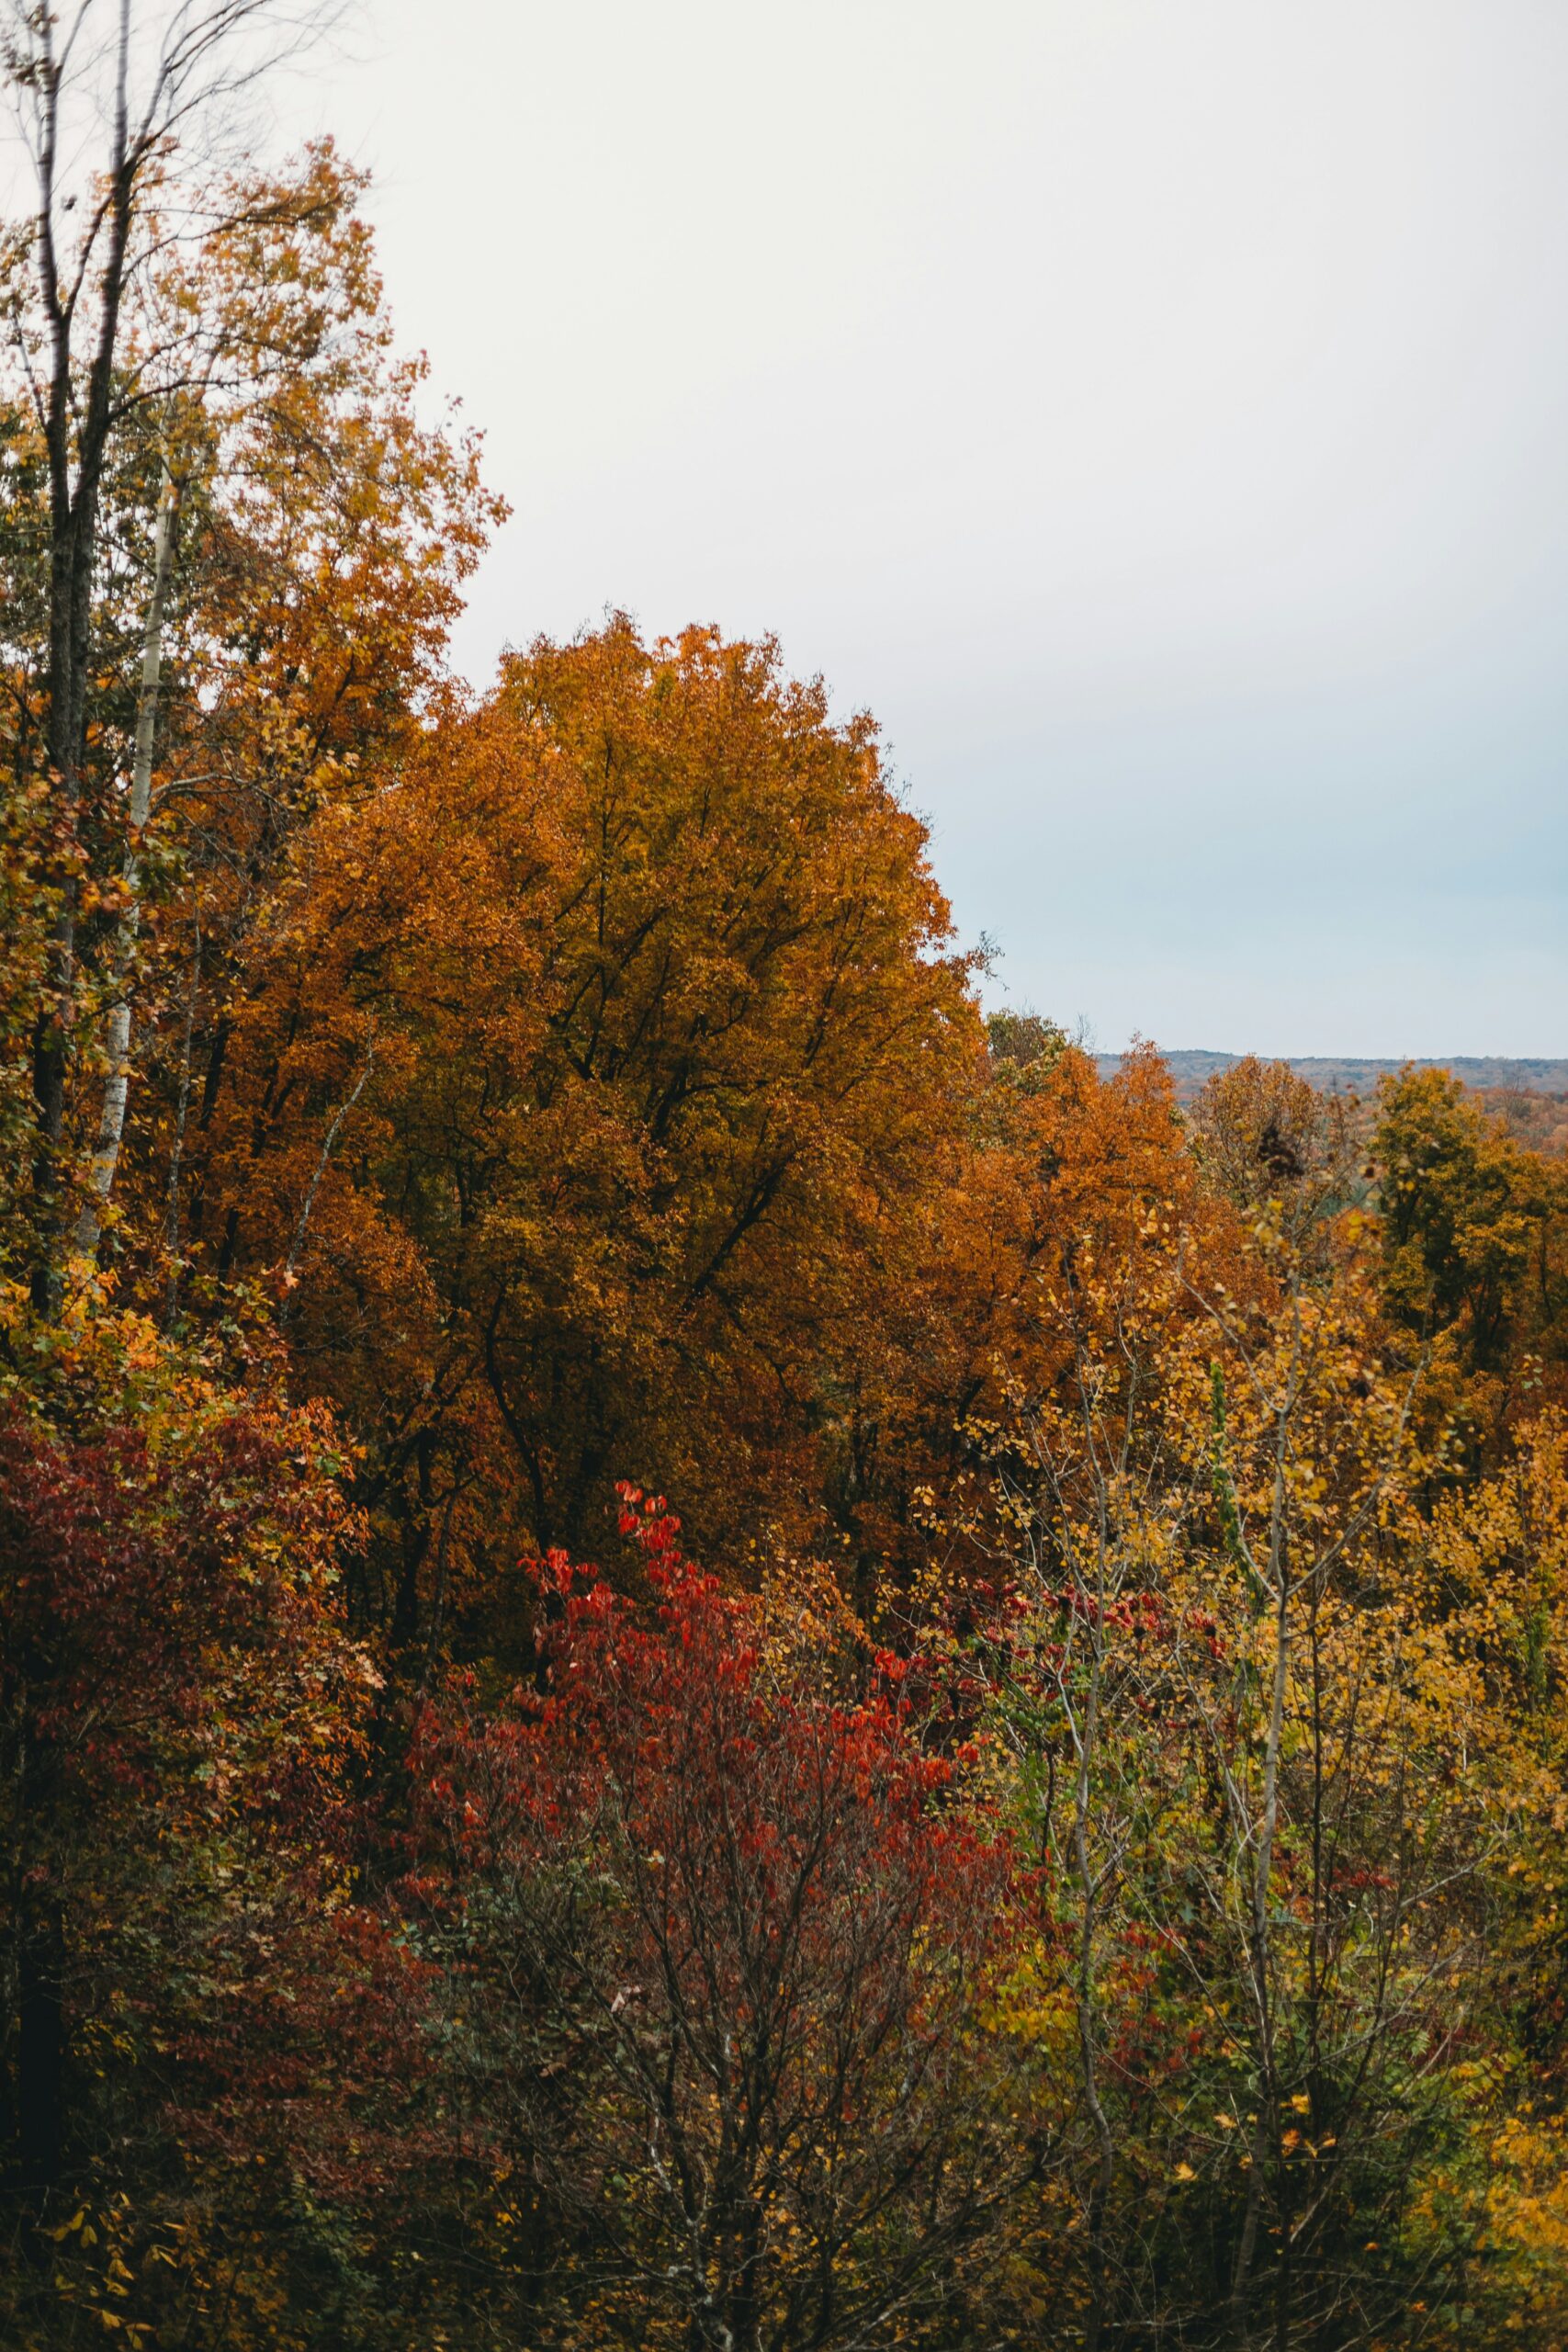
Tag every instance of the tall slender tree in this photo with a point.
(114, 110)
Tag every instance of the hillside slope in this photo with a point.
(1193, 1068)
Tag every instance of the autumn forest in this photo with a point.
(697, 1650)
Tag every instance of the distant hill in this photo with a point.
(1490, 1072)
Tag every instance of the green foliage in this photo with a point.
(1460, 1213)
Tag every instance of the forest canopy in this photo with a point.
(697, 1647)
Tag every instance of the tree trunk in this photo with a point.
(1084, 1992)
(77, 435)
(41, 2052)
(1265, 2132)
(116, 1083)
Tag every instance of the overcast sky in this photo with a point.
(1155, 410)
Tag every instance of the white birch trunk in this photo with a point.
(117, 1084)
